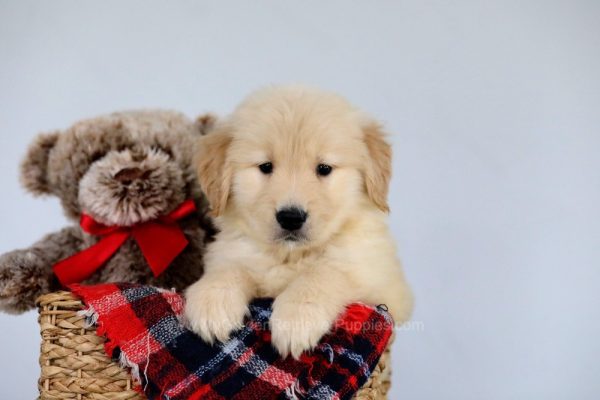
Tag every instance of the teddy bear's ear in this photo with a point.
(34, 168)
(205, 123)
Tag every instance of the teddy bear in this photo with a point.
(126, 182)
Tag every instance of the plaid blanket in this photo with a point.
(144, 331)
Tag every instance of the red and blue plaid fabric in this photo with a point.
(144, 331)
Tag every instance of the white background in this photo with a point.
(495, 108)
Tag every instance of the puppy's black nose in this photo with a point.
(291, 218)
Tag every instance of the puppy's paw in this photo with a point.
(213, 312)
(298, 326)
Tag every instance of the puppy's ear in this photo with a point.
(378, 167)
(214, 168)
(34, 167)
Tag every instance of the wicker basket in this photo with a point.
(75, 366)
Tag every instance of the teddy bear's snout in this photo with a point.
(128, 175)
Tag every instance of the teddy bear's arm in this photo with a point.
(27, 273)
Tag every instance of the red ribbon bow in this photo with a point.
(160, 241)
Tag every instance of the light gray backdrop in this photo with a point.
(496, 191)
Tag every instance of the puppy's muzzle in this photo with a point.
(291, 219)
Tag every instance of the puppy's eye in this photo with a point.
(324, 169)
(266, 168)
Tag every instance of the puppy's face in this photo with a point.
(293, 166)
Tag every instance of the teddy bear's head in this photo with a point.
(121, 169)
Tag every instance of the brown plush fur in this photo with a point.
(122, 169)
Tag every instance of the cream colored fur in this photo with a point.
(346, 252)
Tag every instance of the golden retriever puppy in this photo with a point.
(297, 180)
